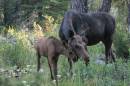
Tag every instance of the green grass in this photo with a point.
(94, 74)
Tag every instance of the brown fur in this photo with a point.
(78, 46)
(95, 27)
(51, 47)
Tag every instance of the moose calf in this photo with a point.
(51, 47)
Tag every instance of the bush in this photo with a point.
(48, 28)
(17, 50)
(122, 42)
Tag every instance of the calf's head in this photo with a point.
(72, 56)
(69, 53)
(77, 44)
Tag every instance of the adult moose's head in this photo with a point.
(77, 44)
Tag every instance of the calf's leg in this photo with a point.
(38, 61)
(52, 61)
(49, 63)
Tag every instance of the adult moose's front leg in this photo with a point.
(112, 55)
(70, 68)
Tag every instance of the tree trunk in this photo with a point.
(106, 6)
(129, 16)
(10, 8)
(5, 12)
(79, 5)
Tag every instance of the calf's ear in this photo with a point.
(70, 40)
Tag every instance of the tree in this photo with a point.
(15, 12)
(128, 4)
(10, 8)
(106, 6)
(79, 5)
(5, 12)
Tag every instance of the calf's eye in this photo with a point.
(77, 47)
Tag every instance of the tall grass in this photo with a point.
(17, 50)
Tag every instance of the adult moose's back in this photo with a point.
(92, 27)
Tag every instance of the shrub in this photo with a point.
(17, 50)
(10, 82)
(121, 42)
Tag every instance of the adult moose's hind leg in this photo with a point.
(70, 64)
(108, 51)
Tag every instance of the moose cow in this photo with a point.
(51, 47)
(91, 27)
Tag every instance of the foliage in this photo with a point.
(55, 8)
(122, 42)
(15, 12)
(17, 49)
(49, 28)
(8, 82)
(49, 23)
(93, 5)
(20, 52)
(94, 75)
(37, 30)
